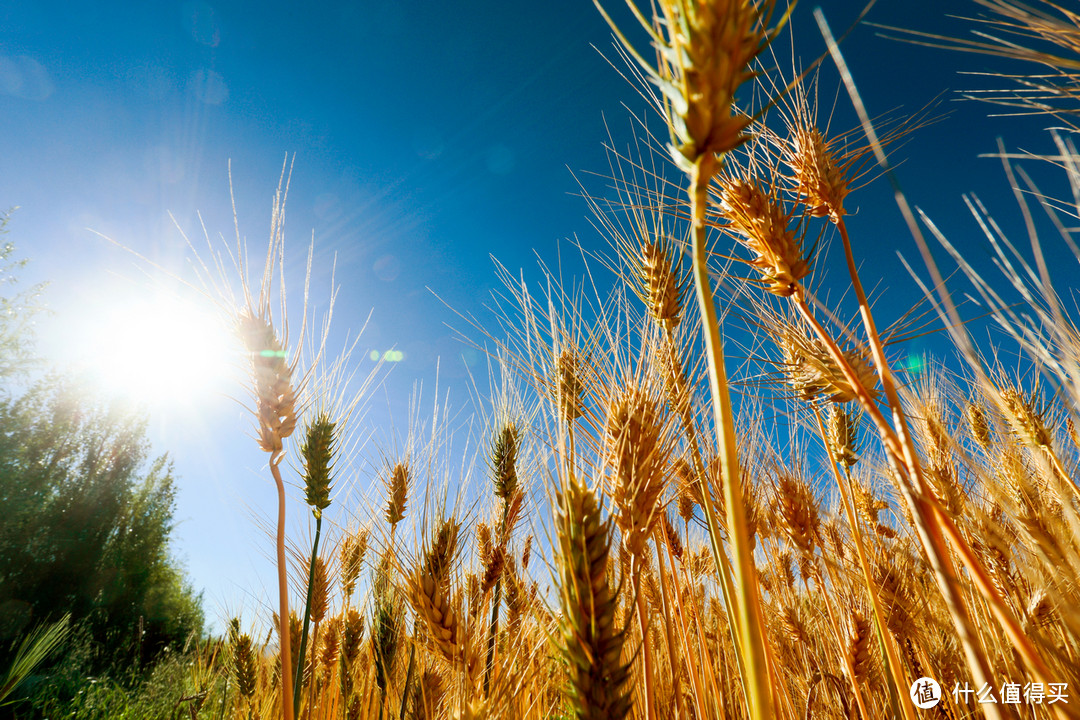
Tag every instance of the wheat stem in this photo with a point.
(755, 671)
(299, 677)
(680, 616)
(493, 625)
(1063, 477)
(283, 597)
(673, 659)
(646, 646)
(408, 681)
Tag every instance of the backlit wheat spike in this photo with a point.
(473, 709)
(484, 547)
(637, 455)
(654, 270)
(686, 506)
(945, 485)
(352, 560)
(978, 424)
(244, 665)
(701, 563)
(493, 569)
(569, 389)
(1025, 417)
(838, 543)
(637, 452)
(793, 624)
(812, 372)
(473, 595)
(1040, 610)
(294, 637)
(331, 643)
(859, 646)
(397, 491)
(688, 487)
(275, 395)
(786, 567)
(435, 605)
(504, 452)
(930, 421)
(386, 624)
(590, 640)
(756, 216)
(349, 667)
(671, 536)
(512, 509)
(893, 587)
(427, 696)
(440, 554)
(819, 180)
(677, 391)
(443, 621)
(663, 288)
(704, 51)
(929, 416)
(352, 636)
(517, 597)
(991, 539)
(867, 504)
(320, 595)
(317, 453)
(842, 433)
(820, 169)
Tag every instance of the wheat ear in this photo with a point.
(503, 461)
(589, 640)
(317, 454)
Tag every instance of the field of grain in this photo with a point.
(857, 540)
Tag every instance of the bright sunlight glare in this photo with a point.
(161, 351)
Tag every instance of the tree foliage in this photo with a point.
(87, 525)
(86, 516)
(17, 313)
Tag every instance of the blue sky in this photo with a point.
(427, 137)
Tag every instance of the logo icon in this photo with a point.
(925, 693)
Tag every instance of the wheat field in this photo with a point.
(644, 544)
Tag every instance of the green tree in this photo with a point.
(87, 524)
(17, 313)
(86, 516)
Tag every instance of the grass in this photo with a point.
(643, 550)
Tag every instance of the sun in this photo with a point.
(159, 350)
